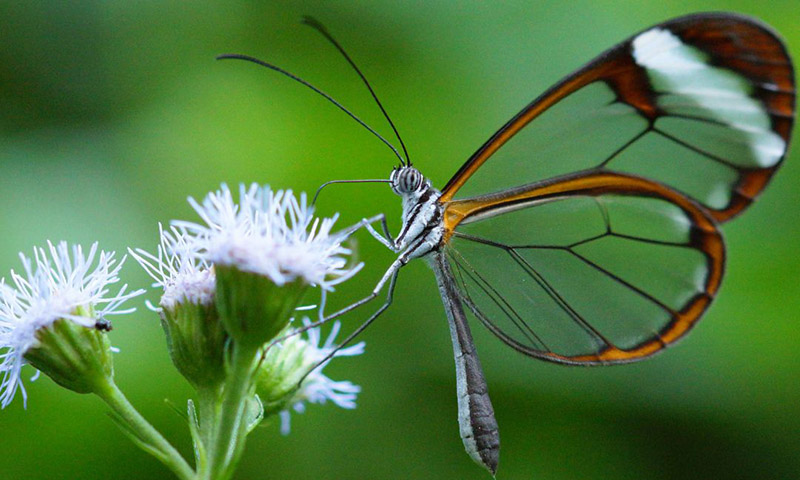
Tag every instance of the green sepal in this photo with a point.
(252, 307)
(76, 357)
(196, 341)
(254, 413)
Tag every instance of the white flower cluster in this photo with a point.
(268, 233)
(53, 286)
(271, 234)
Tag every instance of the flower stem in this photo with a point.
(228, 432)
(207, 402)
(149, 439)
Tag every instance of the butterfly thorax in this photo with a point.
(422, 229)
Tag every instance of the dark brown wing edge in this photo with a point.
(705, 237)
(739, 43)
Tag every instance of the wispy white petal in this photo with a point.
(271, 233)
(184, 275)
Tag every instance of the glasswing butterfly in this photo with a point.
(590, 236)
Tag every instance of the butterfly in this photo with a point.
(586, 230)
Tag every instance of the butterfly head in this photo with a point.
(407, 180)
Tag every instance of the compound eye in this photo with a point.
(402, 182)
(406, 180)
(412, 181)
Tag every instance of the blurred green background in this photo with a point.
(112, 113)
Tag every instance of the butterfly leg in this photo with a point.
(386, 239)
(365, 222)
(391, 277)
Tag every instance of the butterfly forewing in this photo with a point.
(703, 104)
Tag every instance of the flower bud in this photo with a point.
(266, 251)
(195, 336)
(55, 318)
(196, 341)
(287, 363)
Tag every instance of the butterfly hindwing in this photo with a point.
(590, 268)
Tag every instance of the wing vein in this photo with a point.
(558, 299)
(496, 297)
(625, 283)
(547, 288)
(697, 150)
(623, 147)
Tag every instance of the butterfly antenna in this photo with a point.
(316, 25)
(331, 182)
(247, 58)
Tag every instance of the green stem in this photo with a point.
(229, 428)
(151, 439)
(207, 400)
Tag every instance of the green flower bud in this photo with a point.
(196, 341)
(288, 363)
(195, 336)
(280, 372)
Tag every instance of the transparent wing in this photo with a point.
(703, 104)
(590, 268)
